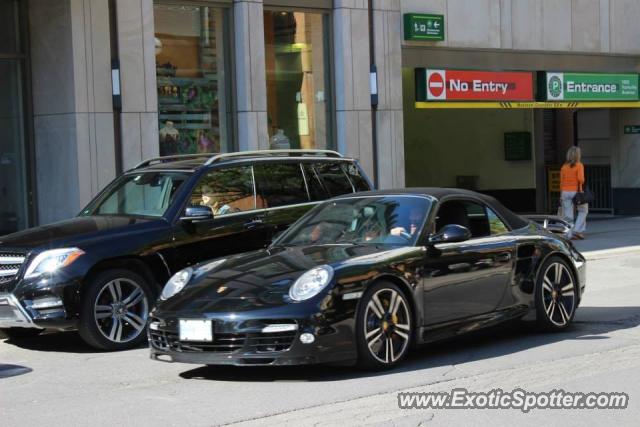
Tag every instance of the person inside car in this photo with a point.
(412, 223)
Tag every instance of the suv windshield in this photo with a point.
(392, 220)
(138, 194)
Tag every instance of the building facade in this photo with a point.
(96, 86)
(92, 87)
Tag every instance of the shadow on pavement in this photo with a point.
(62, 342)
(591, 323)
(610, 233)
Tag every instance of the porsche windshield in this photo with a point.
(392, 220)
(138, 194)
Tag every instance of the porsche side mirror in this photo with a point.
(194, 214)
(451, 233)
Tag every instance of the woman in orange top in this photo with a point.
(572, 181)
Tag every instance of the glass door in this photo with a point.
(14, 214)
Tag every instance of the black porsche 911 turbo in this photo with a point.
(363, 278)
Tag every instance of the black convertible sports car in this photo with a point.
(364, 278)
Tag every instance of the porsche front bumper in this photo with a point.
(244, 342)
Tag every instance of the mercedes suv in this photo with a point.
(100, 272)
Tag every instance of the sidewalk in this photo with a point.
(606, 237)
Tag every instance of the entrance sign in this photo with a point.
(588, 87)
(631, 129)
(462, 85)
(423, 27)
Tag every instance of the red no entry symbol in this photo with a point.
(436, 84)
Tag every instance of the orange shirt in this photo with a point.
(571, 178)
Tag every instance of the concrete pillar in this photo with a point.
(72, 103)
(138, 81)
(388, 58)
(352, 92)
(250, 72)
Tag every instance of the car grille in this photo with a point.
(225, 342)
(10, 263)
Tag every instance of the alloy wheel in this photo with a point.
(558, 294)
(121, 310)
(387, 325)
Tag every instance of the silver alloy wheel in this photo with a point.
(387, 325)
(558, 294)
(121, 310)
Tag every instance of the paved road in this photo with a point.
(68, 384)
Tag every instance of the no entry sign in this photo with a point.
(462, 85)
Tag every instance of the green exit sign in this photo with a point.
(423, 27)
(631, 129)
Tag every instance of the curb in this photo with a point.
(609, 253)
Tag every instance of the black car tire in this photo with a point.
(21, 333)
(556, 295)
(371, 354)
(96, 320)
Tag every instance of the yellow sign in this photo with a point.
(553, 179)
(526, 105)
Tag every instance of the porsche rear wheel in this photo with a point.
(384, 326)
(556, 295)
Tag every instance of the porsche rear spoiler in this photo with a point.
(553, 223)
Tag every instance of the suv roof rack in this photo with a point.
(172, 157)
(221, 156)
(326, 153)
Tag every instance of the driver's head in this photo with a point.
(316, 233)
(415, 219)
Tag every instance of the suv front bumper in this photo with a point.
(12, 314)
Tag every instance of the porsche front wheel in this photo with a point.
(384, 326)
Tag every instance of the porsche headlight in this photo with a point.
(51, 260)
(311, 283)
(176, 283)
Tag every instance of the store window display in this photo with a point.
(192, 76)
(299, 113)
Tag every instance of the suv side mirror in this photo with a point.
(195, 214)
(451, 233)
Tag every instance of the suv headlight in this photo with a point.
(51, 260)
(311, 283)
(176, 283)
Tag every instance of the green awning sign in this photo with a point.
(423, 27)
(588, 87)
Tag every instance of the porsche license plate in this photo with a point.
(196, 330)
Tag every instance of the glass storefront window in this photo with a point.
(9, 34)
(194, 113)
(14, 212)
(298, 79)
(13, 207)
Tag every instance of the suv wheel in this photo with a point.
(114, 310)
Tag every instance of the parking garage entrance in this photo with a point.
(512, 150)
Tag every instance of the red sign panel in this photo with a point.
(458, 85)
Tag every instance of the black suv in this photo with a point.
(101, 271)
